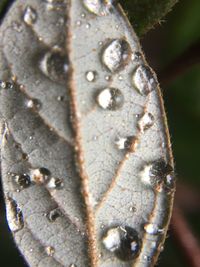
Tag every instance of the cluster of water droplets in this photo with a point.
(99, 7)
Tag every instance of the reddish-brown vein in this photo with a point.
(90, 224)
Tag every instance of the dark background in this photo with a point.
(162, 46)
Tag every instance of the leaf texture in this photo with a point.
(86, 161)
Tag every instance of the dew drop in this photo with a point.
(14, 215)
(126, 143)
(146, 122)
(144, 80)
(40, 176)
(54, 214)
(116, 54)
(23, 180)
(99, 7)
(88, 26)
(55, 183)
(78, 23)
(5, 85)
(153, 229)
(90, 76)
(33, 104)
(55, 66)
(110, 98)
(123, 242)
(72, 265)
(30, 16)
(155, 173)
(50, 251)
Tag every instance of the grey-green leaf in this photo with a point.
(86, 162)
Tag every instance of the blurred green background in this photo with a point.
(162, 45)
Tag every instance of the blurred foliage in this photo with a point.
(182, 101)
(144, 14)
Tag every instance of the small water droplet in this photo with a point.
(55, 183)
(155, 173)
(50, 251)
(40, 176)
(88, 26)
(78, 23)
(126, 143)
(144, 80)
(83, 15)
(123, 242)
(55, 66)
(116, 54)
(54, 214)
(33, 104)
(23, 180)
(146, 122)
(14, 215)
(72, 265)
(108, 77)
(5, 85)
(90, 76)
(30, 16)
(153, 229)
(99, 7)
(110, 98)
(120, 78)
(60, 98)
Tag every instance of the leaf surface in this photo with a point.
(86, 163)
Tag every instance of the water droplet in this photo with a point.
(33, 104)
(153, 229)
(108, 77)
(72, 265)
(14, 215)
(146, 122)
(55, 183)
(116, 54)
(144, 80)
(54, 214)
(110, 98)
(50, 251)
(99, 7)
(123, 242)
(87, 26)
(23, 180)
(30, 16)
(55, 66)
(55, 4)
(126, 143)
(60, 98)
(155, 173)
(78, 23)
(90, 76)
(83, 15)
(6, 85)
(40, 176)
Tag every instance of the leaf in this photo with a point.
(145, 14)
(86, 163)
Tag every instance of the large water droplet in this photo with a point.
(99, 7)
(116, 54)
(144, 80)
(155, 173)
(153, 229)
(23, 180)
(126, 143)
(55, 66)
(146, 122)
(54, 214)
(123, 242)
(110, 98)
(30, 16)
(14, 215)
